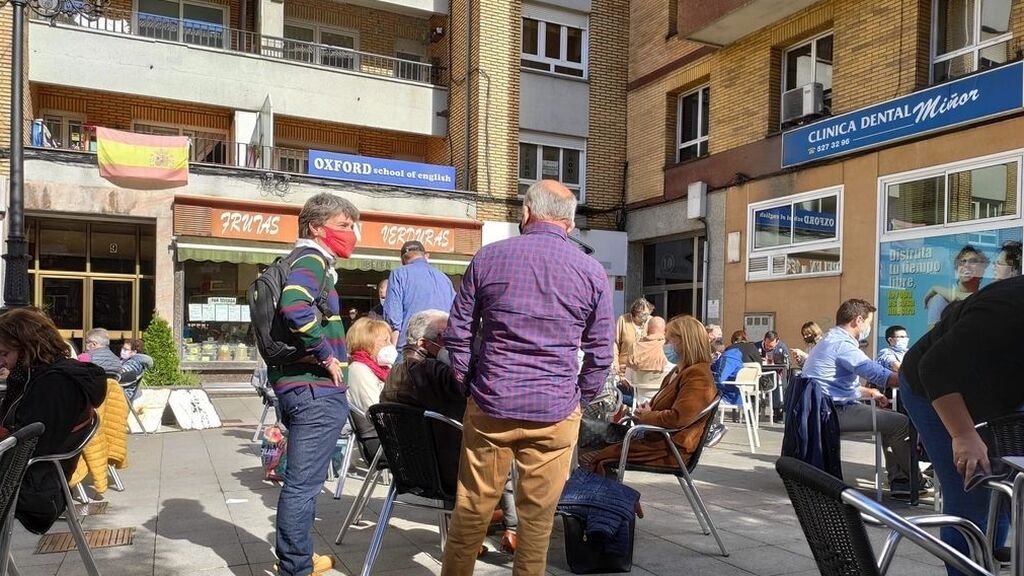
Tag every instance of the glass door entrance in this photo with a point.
(93, 275)
(64, 300)
(114, 306)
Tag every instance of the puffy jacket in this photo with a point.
(605, 507)
(110, 445)
(62, 396)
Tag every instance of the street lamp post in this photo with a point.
(16, 258)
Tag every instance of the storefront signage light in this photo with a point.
(247, 225)
(984, 95)
(381, 171)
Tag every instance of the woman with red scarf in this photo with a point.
(370, 355)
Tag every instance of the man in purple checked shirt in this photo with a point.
(532, 301)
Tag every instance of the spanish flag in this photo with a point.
(142, 160)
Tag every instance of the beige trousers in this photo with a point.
(542, 453)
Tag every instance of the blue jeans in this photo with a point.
(972, 505)
(314, 423)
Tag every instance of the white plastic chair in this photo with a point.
(746, 380)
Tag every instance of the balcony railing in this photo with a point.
(210, 151)
(215, 36)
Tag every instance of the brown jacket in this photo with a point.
(686, 393)
(627, 334)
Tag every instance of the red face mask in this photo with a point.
(340, 242)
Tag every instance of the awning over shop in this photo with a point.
(254, 255)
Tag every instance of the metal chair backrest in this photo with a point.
(364, 433)
(834, 530)
(709, 413)
(748, 375)
(408, 436)
(91, 430)
(15, 453)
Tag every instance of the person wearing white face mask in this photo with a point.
(891, 357)
(371, 356)
(836, 364)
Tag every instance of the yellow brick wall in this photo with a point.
(5, 83)
(606, 143)
(650, 46)
(881, 51)
(495, 98)
(120, 110)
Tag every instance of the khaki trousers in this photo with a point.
(542, 453)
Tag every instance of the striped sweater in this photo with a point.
(322, 337)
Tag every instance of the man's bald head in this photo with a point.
(656, 326)
(549, 201)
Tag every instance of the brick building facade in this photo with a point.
(770, 263)
(258, 87)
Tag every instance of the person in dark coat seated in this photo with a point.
(423, 378)
(44, 385)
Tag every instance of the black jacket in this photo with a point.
(62, 396)
(812, 427)
(425, 382)
(975, 350)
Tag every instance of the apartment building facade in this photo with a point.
(281, 100)
(836, 149)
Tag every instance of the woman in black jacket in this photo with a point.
(44, 385)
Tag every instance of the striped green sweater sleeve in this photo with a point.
(298, 304)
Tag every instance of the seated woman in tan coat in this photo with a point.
(685, 392)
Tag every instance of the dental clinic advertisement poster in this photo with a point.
(919, 278)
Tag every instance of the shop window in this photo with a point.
(113, 249)
(216, 327)
(62, 245)
(693, 114)
(810, 62)
(673, 276)
(969, 35)
(795, 236)
(953, 196)
(540, 162)
(554, 48)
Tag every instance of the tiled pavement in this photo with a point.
(200, 506)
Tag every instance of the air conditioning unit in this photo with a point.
(807, 101)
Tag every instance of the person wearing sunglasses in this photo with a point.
(969, 266)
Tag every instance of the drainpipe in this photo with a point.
(244, 38)
(469, 62)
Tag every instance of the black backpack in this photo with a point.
(276, 343)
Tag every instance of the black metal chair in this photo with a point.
(1005, 437)
(1016, 463)
(369, 447)
(408, 439)
(15, 453)
(70, 514)
(832, 516)
(683, 469)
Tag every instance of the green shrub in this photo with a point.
(166, 369)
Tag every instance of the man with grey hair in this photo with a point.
(413, 287)
(532, 300)
(311, 391)
(424, 379)
(97, 351)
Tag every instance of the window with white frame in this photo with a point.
(692, 120)
(315, 44)
(795, 236)
(66, 130)
(969, 35)
(543, 162)
(957, 195)
(554, 48)
(190, 22)
(808, 62)
(204, 146)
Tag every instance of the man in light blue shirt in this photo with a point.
(836, 364)
(891, 357)
(415, 287)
